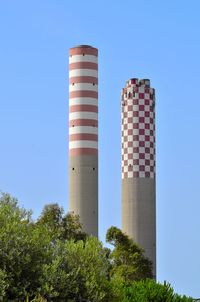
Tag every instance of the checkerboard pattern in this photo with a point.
(138, 129)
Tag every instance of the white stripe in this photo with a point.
(83, 101)
(81, 58)
(83, 86)
(83, 72)
(83, 144)
(83, 129)
(83, 115)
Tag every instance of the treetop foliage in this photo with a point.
(129, 262)
(52, 259)
(150, 291)
(61, 226)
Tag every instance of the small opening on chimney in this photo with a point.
(73, 169)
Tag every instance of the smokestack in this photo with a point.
(83, 136)
(138, 165)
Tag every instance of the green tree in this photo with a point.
(3, 284)
(72, 228)
(39, 260)
(60, 226)
(51, 217)
(79, 272)
(150, 291)
(53, 260)
(127, 258)
(23, 249)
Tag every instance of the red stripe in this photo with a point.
(83, 136)
(87, 108)
(83, 79)
(83, 151)
(83, 122)
(83, 50)
(83, 93)
(83, 65)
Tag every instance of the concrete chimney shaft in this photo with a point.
(138, 165)
(83, 136)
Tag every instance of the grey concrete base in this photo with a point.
(83, 191)
(139, 214)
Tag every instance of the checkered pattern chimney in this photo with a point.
(83, 136)
(138, 129)
(138, 165)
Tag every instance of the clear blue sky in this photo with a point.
(153, 39)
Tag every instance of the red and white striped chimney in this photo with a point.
(83, 136)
